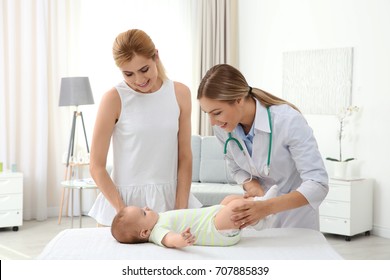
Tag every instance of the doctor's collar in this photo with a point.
(261, 121)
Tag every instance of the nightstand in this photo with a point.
(348, 208)
(71, 173)
(11, 200)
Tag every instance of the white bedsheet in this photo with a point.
(269, 244)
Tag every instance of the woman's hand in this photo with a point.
(252, 189)
(249, 213)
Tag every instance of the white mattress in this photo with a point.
(269, 244)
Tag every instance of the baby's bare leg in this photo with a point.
(223, 220)
(229, 198)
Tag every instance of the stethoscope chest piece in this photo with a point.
(266, 170)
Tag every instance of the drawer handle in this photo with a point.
(334, 219)
(330, 202)
(4, 198)
(331, 219)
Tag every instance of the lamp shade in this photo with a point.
(75, 91)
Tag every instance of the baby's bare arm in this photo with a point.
(178, 240)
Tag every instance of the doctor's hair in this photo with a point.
(126, 230)
(136, 42)
(223, 82)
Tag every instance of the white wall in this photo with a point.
(97, 32)
(267, 28)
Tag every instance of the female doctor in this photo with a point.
(267, 142)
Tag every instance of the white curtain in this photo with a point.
(216, 37)
(33, 34)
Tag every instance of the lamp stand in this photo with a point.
(72, 135)
(69, 175)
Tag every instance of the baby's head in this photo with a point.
(133, 224)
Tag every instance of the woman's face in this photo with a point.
(223, 114)
(141, 74)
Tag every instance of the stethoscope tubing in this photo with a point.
(231, 138)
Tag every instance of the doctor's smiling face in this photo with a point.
(224, 94)
(225, 114)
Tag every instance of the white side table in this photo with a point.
(348, 208)
(71, 173)
(11, 200)
(80, 184)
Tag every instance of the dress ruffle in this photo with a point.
(159, 197)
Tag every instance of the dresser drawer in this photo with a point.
(338, 209)
(11, 185)
(339, 192)
(11, 201)
(11, 218)
(335, 225)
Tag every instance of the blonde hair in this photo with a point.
(136, 42)
(223, 82)
(126, 230)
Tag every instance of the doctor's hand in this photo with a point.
(252, 189)
(249, 212)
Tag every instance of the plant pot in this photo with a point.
(340, 169)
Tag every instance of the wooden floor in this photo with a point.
(29, 241)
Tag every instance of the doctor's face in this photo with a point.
(222, 113)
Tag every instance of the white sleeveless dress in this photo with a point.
(145, 152)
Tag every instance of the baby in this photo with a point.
(208, 226)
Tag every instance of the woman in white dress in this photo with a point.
(148, 118)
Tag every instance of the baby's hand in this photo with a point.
(188, 237)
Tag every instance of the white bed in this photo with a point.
(269, 244)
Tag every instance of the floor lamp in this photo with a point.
(74, 91)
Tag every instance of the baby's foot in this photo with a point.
(268, 221)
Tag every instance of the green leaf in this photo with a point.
(349, 159)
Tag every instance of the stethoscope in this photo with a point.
(266, 168)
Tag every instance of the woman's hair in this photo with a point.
(136, 42)
(126, 230)
(223, 82)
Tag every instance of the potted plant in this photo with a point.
(340, 165)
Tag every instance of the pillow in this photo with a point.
(212, 164)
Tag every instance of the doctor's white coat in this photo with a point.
(295, 162)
